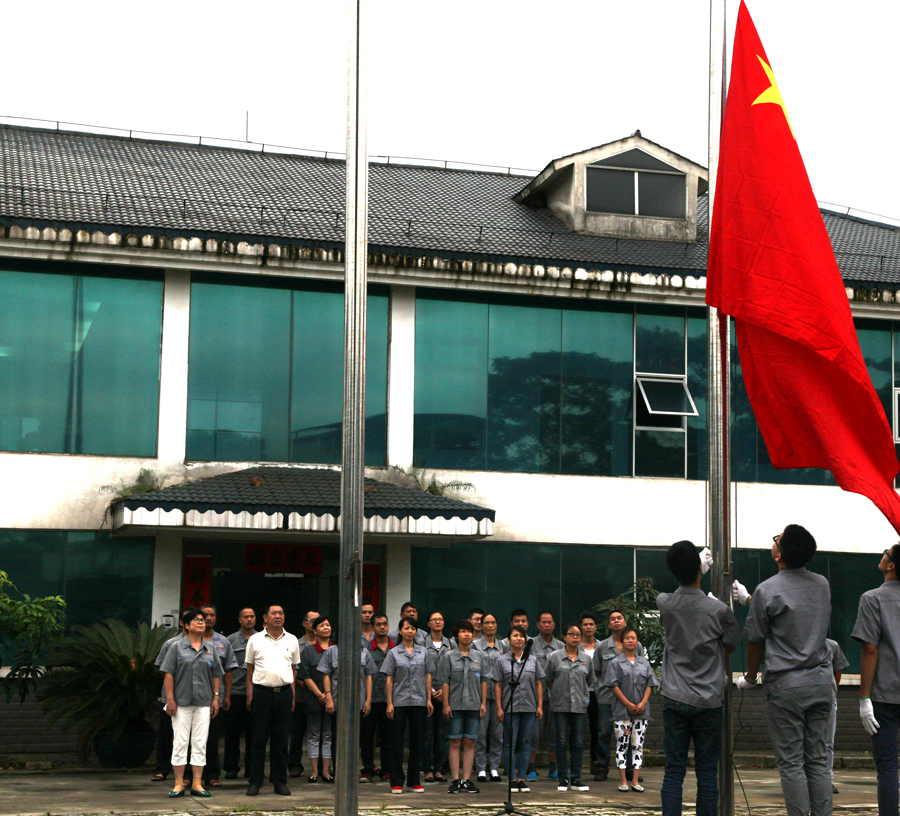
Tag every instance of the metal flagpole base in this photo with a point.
(508, 808)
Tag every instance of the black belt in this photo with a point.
(273, 689)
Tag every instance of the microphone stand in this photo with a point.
(514, 682)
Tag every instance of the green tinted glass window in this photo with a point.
(697, 456)
(98, 577)
(265, 376)
(79, 364)
(659, 340)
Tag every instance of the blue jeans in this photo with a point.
(884, 751)
(435, 747)
(517, 727)
(683, 723)
(569, 732)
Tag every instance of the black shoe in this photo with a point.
(282, 790)
(601, 777)
(562, 784)
(445, 768)
(523, 787)
(467, 787)
(252, 790)
(595, 768)
(294, 773)
(834, 789)
(454, 786)
(231, 774)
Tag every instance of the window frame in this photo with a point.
(637, 204)
(640, 378)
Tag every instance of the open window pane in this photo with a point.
(666, 397)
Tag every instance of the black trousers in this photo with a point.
(594, 726)
(298, 732)
(164, 738)
(213, 769)
(237, 725)
(271, 714)
(415, 717)
(375, 726)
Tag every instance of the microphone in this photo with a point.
(527, 650)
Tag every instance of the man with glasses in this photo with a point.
(878, 630)
(788, 621)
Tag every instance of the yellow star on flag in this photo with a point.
(772, 94)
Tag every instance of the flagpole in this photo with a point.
(719, 402)
(346, 799)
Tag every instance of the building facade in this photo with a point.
(178, 308)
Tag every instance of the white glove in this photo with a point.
(705, 560)
(739, 593)
(712, 596)
(744, 684)
(867, 715)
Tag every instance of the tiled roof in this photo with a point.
(111, 183)
(272, 489)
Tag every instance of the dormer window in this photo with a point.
(635, 183)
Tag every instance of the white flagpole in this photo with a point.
(719, 402)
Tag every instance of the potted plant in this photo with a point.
(102, 681)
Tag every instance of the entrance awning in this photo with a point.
(292, 499)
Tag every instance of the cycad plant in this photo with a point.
(103, 678)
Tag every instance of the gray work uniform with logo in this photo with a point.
(378, 679)
(489, 745)
(604, 654)
(506, 669)
(878, 623)
(192, 671)
(570, 681)
(329, 665)
(790, 613)
(409, 670)
(162, 656)
(229, 663)
(238, 642)
(632, 679)
(463, 675)
(697, 627)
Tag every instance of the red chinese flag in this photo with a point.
(771, 267)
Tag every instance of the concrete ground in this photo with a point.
(124, 792)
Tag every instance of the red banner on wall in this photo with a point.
(297, 558)
(371, 585)
(197, 580)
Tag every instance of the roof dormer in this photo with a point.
(630, 188)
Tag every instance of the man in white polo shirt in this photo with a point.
(270, 659)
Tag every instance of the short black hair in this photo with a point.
(408, 605)
(317, 621)
(546, 612)
(520, 629)
(269, 608)
(518, 611)
(796, 545)
(616, 612)
(465, 625)
(589, 614)
(894, 555)
(573, 625)
(209, 606)
(378, 616)
(683, 562)
(407, 619)
(476, 610)
(628, 629)
(190, 614)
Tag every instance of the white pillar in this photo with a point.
(167, 563)
(173, 374)
(401, 378)
(398, 582)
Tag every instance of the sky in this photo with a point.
(489, 82)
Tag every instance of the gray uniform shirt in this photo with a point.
(604, 654)
(463, 674)
(570, 681)
(632, 678)
(697, 627)
(226, 657)
(409, 672)
(790, 613)
(238, 643)
(329, 665)
(162, 656)
(507, 668)
(542, 651)
(378, 679)
(193, 671)
(491, 653)
(878, 623)
(839, 660)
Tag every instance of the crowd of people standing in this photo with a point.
(474, 703)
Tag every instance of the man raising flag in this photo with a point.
(771, 267)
